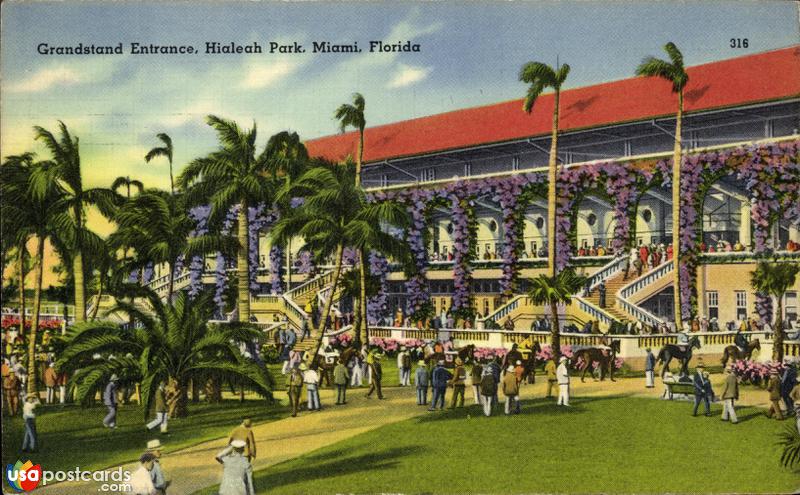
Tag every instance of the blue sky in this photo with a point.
(471, 53)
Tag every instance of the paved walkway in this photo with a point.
(194, 468)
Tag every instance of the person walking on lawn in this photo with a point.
(439, 379)
(488, 389)
(294, 387)
(31, 439)
(511, 391)
(11, 386)
(244, 433)
(458, 381)
(649, 369)
(341, 376)
(376, 374)
(552, 380)
(730, 394)
(475, 375)
(237, 472)
(404, 367)
(774, 389)
(562, 376)
(701, 386)
(110, 401)
(421, 380)
(311, 380)
(160, 410)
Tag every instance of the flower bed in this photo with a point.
(755, 373)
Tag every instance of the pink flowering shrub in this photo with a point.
(388, 345)
(546, 353)
(754, 372)
(341, 340)
(487, 353)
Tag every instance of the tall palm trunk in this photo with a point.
(22, 250)
(98, 296)
(777, 342)
(171, 283)
(555, 333)
(552, 174)
(80, 289)
(676, 213)
(323, 322)
(243, 266)
(361, 317)
(357, 319)
(37, 301)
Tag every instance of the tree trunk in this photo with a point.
(177, 400)
(323, 323)
(555, 334)
(96, 307)
(676, 214)
(37, 300)
(243, 265)
(213, 391)
(777, 343)
(363, 293)
(552, 177)
(171, 283)
(357, 320)
(80, 289)
(171, 180)
(22, 250)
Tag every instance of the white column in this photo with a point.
(744, 224)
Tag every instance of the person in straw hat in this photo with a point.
(237, 473)
(562, 376)
(421, 380)
(701, 386)
(511, 390)
(774, 389)
(160, 482)
(458, 381)
(730, 394)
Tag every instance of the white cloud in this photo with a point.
(46, 78)
(406, 75)
(259, 76)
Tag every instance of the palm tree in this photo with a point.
(65, 171)
(34, 213)
(157, 226)
(174, 344)
(674, 72)
(335, 214)
(774, 279)
(352, 115)
(552, 291)
(127, 183)
(232, 175)
(165, 151)
(541, 76)
(789, 438)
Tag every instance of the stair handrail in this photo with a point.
(596, 312)
(610, 268)
(505, 309)
(310, 284)
(646, 279)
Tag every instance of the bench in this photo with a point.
(685, 388)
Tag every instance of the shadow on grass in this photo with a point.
(331, 465)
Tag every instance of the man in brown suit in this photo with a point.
(730, 393)
(458, 382)
(11, 392)
(774, 389)
(245, 434)
(50, 380)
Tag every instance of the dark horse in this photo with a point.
(326, 368)
(670, 351)
(465, 354)
(529, 363)
(733, 352)
(604, 357)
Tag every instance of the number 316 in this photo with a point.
(739, 43)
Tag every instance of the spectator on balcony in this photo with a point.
(669, 252)
(792, 246)
(704, 324)
(479, 325)
(738, 247)
(644, 254)
(582, 251)
(508, 325)
(542, 251)
(712, 249)
(713, 325)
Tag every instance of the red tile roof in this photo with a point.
(749, 79)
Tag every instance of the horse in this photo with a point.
(529, 364)
(605, 357)
(670, 351)
(733, 352)
(465, 354)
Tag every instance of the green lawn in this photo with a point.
(73, 436)
(610, 445)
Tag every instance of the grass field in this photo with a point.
(611, 445)
(74, 436)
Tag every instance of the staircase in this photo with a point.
(613, 285)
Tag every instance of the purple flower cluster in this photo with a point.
(199, 214)
(377, 304)
(220, 273)
(349, 256)
(305, 262)
(463, 215)
(258, 220)
(764, 307)
(148, 272)
(276, 270)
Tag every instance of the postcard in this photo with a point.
(400, 247)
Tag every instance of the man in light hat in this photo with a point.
(311, 380)
(730, 393)
(294, 387)
(244, 432)
(156, 473)
(237, 473)
(701, 386)
(774, 389)
(511, 390)
(404, 366)
(458, 381)
(649, 368)
(439, 379)
(562, 376)
(50, 379)
(421, 380)
(376, 375)
(11, 385)
(110, 401)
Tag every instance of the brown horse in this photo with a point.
(733, 352)
(670, 351)
(529, 364)
(465, 354)
(604, 357)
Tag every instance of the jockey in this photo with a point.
(740, 340)
(683, 339)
